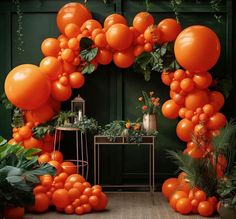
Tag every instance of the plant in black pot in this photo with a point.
(224, 156)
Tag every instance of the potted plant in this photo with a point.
(224, 152)
(149, 104)
(19, 174)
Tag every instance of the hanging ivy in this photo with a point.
(215, 6)
(19, 31)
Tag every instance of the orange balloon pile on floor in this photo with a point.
(38, 91)
(67, 191)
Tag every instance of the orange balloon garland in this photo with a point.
(197, 49)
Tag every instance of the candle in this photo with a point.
(80, 115)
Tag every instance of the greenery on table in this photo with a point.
(19, 171)
(132, 131)
(160, 59)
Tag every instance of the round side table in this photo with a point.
(81, 148)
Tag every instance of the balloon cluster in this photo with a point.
(67, 191)
(197, 49)
(29, 87)
(185, 200)
(39, 90)
(191, 99)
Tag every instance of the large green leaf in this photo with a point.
(89, 68)
(89, 54)
(85, 43)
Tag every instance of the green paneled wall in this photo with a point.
(111, 93)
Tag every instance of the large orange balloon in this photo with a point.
(142, 20)
(72, 13)
(91, 25)
(169, 186)
(26, 87)
(114, 19)
(197, 48)
(184, 130)
(203, 80)
(124, 59)
(40, 115)
(217, 100)
(216, 121)
(51, 67)
(50, 47)
(169, 29)
(60, 92)
(170, 109)
(196, 98)
(119, 36)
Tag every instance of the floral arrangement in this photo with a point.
(148, 103)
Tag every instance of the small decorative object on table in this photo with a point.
(78, 107)
(148, 105)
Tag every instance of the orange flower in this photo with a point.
(144, 107)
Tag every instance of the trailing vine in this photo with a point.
(175, 5)
(215, 6)
(19, 31)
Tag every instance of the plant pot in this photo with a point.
(227, 212)
(149, 122)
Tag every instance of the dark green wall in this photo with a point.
(111, 93)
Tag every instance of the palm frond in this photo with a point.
(224, 140)
(199, 172)
(225, 143)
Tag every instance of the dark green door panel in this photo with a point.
(111, 93)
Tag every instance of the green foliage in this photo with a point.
(87, 54)
(132, 134)
(85, 43)
(65, 118)
(227, 188)
(175, 5)
(19, 171)
(199, 172)
(161, 58)
(225, 144)
(19, 31)
(6, 103)
(87, 124)
(17, 118)
(224, 86)
(89, 68)
(215, 6)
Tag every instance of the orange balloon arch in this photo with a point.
(39, 90)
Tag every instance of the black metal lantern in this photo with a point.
(78, 106)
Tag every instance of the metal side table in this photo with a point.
(81, 148)
(120, 140)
